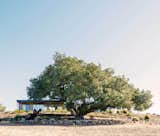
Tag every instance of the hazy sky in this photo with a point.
(123, 34)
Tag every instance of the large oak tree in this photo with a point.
(86, 87)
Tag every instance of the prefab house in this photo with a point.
(30, 105)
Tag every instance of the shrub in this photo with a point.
(118, 112)
(18, 118)
(2, 108)
(146, 117)
(135, 119)
(110, 111)
(125, 111)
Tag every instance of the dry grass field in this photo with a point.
(116, 130)
(139, 128)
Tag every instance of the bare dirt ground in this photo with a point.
(116, 130)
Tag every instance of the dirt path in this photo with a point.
(119, 130)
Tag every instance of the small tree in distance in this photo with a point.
(2, 108)
(86, 87)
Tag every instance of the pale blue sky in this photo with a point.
(123, 34)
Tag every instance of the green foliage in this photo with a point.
(142, 100)
(18, 118)
(86, 87)
(2, 108)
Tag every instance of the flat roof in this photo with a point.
(52, 101)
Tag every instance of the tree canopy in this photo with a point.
(86, 87)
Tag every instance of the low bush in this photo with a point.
(118, 112)
(18, 118)
(2, 108)
(146, 117)
(110, 111)
(125, 111)
(135, 119)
